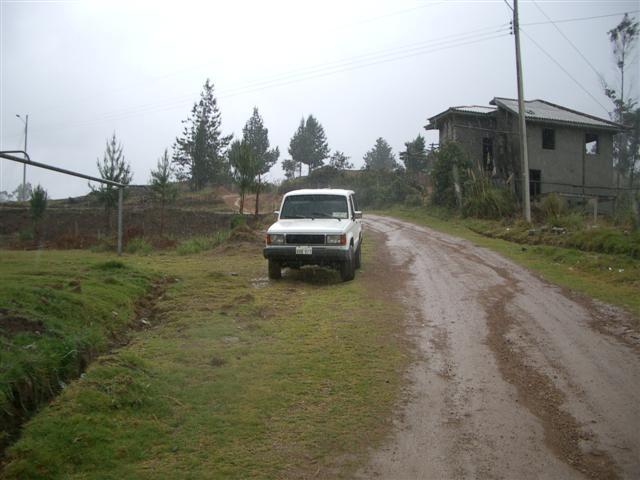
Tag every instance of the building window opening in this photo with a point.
(535, 182)
(548, 139)
(487, 154)
(591, 144)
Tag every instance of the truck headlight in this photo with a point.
(336, 239)
(275, 239)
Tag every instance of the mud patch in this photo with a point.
(11, 325)
(538, 393)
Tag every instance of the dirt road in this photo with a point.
(513, 378)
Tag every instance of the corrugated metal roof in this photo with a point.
(474, 109)
(546, 111)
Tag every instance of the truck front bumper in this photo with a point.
(320, 255)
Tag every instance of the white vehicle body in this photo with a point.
(316, 227)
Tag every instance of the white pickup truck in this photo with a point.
(316, 227)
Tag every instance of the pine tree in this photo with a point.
(113, 167)
(299, 147)
(200, 153)
(309, 144)
(256, 136)
(245, 168)
(340, 161)
(317, 140)
(415, 155)
(37, 207)
(162, 188)
(380, 157)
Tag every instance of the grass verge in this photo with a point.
(611, 278)
(59, 309)
(243, 378)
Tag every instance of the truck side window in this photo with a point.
(355, 202)
(353, 210)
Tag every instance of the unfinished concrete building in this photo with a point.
(570, 152)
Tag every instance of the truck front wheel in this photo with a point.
(275, 270)
(347, 267)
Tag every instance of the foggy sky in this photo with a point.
(83, 70)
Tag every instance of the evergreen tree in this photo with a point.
(380, 157)
(415, 155)
(340, 161)
(256, 136)
(309, 144)
(200, 153)
(245, 168)
(317, 141)
(162, 188)
(113, 167)
(299, 147)
(37, 207)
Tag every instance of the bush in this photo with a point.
(552, 207)
(139, 245)
(483, 200)
(237, 220)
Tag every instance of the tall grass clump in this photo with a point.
(202, 243)
(482, 199)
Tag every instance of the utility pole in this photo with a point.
(24, 166)
(524, 155)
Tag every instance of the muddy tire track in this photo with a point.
(514, 377)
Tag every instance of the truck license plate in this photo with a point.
(304, 250)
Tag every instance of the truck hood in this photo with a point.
(306, 225)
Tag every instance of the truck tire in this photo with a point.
(347, 268)
(358, 259)
(275, 271)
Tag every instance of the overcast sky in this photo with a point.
(365, 69)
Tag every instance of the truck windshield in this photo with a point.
(315, 206)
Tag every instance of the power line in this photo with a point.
(309, 73)
(564, 70)
(568, 40)
(578, 19)
(201, 65)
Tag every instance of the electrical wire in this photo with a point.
(322, 70)
(564, 70)
(578, 19)
(598, 74)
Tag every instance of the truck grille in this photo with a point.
(299, 239)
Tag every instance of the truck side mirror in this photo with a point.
(276, 212)
(357, 214)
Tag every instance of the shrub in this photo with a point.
(139, 245)
(484, 200)
(237, 220)
(552, 207)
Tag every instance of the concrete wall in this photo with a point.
(564, 164)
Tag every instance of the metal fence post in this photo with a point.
(120, 197)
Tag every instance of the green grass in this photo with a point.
(200, 244)
(243, 378)
(612, 278)
(59, 309)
